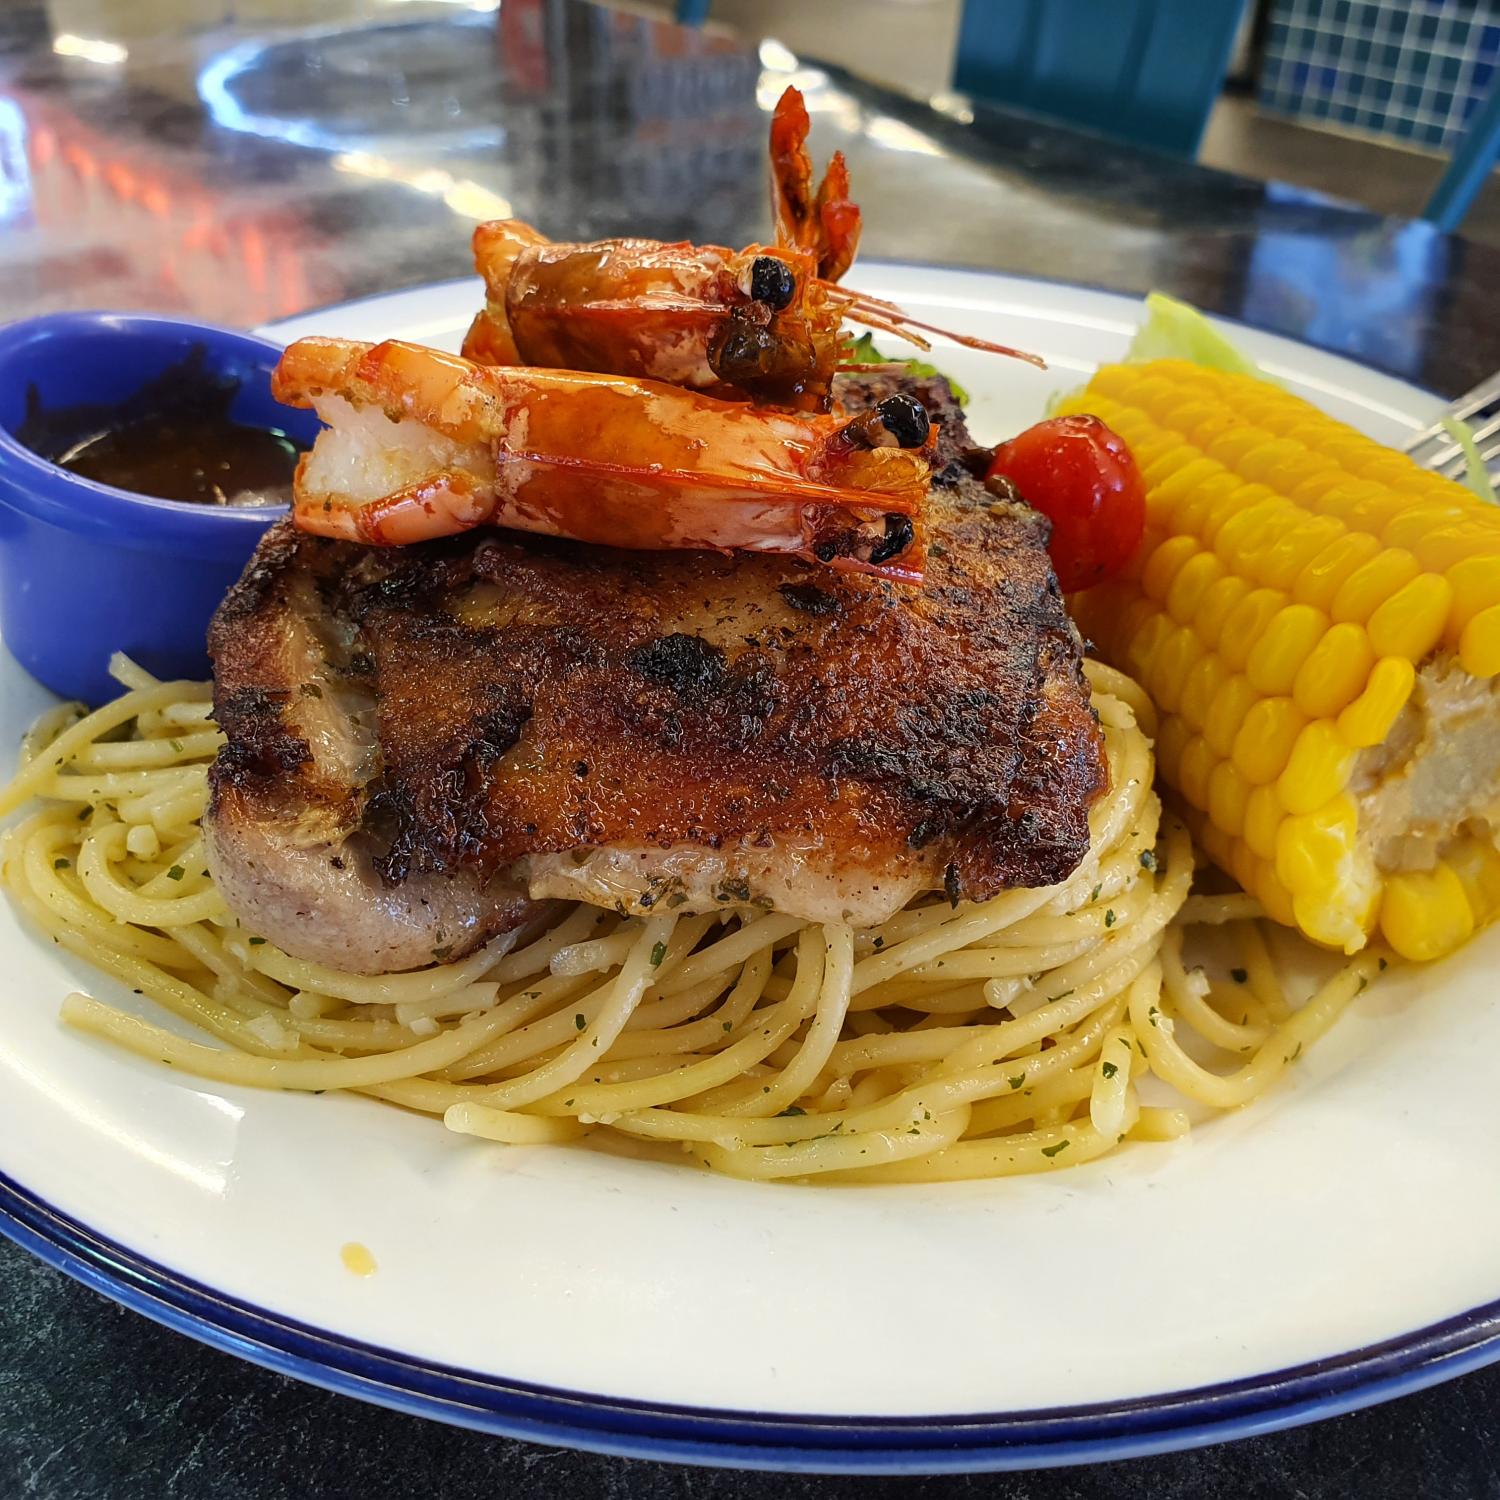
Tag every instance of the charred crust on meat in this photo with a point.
(687, 664)
(259, 743)
(594, 697)
(810, 599)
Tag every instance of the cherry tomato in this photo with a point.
(1080, 475)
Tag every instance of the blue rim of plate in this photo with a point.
(742, 1439)
(967, 1443)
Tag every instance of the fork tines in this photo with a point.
(1480, 408)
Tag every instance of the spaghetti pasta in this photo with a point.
(1020, 1034)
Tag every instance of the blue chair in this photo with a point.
(1145, 71)
(1473, 159)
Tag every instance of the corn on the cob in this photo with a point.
(1318, 621)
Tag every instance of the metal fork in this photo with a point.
(1480, 408)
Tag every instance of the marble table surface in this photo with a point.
(240, 161)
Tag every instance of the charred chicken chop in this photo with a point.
(424, 741)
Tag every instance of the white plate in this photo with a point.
(1330, 1245)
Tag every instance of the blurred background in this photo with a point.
(1363, 101)
(247, 159)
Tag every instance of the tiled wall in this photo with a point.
(1413, 69)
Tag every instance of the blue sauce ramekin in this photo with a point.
(85, 569)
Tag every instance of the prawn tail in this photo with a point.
(839, 221)
(489, 340)
(791, 171)
(824, 221)
(497, 245)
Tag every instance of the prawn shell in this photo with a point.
(595, 458)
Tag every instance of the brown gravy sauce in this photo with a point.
(173, 439)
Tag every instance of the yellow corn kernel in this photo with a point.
(1347, 447)
(1210, 496)
(1282, 562)
(1306, 425)
(1246, 623)
(1249, 531)
(1410, 623)
(1289, 465)
(1110, 383)
(1264, 741)
(1272, 894)
(1206, 433)
(1179, 414)
(1479, 648)
(1376, 509)
(1334, 885)
(1219, 601)
(1385, 466)
(1425, 913)
(1193, 773)
(1135, 564)
(1476, 862)
(1161, 471)
(1149, 639)
(1264, 816)
(1198, 574)
(1328, 919)
(1416, 524)
(1368, 719)
(1163, 565)
(1257, 404)
(1347, 499)
(1218, 846)
(1154, 389)
(1317, 770)
(1227, 713)
(1367, 588)
(1163, 499)
(1277, 461)
(1476, 587)
(1171, 741)
(1243, 865)
(1309, 845)
(1150, 444)
(1293, 574)
(1199, 688)
(1335, 671)
(1130, 424)
(1233, 443)
(1317, 583)
(1312, 490)
(1228, 795)
(1119, 627)
(1288, 640)
(1223, 505)
(1171, 666)
(1447, 546)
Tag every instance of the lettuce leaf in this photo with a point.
(863, 352)
(1173, 330)
(1476, 476)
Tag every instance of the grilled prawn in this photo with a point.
(422, 444)
(763, 323)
